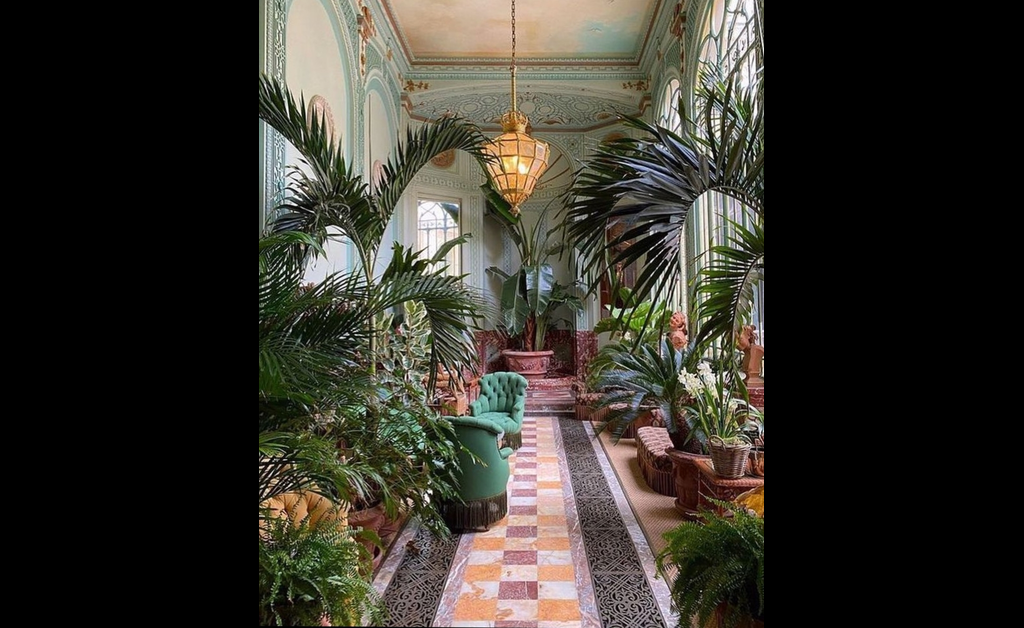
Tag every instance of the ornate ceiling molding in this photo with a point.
(540, 73)
(583, 67)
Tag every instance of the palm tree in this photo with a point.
(306, 370)
(647, 187)
(318, 350)
(327, 200)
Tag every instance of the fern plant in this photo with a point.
(309, 573)
(720, 567)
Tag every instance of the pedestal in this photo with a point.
(687, 481)
(756, 396)
(714, 487)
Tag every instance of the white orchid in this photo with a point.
(692, 383)
(713, 409)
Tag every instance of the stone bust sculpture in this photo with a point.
(753, 355)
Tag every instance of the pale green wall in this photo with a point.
(380, 143)
(315, 66)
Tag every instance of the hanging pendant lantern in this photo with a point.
(518, 160)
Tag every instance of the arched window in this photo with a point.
(437, 223)
(728, 35)
(727, 38)
(670, 117)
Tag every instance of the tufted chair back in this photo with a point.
(297, 505)
(505, 392)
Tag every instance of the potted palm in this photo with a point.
(530, 297)
(643, 189)
(719, 565)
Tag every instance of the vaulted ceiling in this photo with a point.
(579, 61)
(549, 32)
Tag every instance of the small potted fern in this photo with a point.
(309, 576)
(719, 563)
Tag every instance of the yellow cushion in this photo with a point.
(753, 500)
(296, 506)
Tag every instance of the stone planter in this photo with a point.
(687, 481)
(529, 364)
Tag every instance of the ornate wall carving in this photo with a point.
(473, 222)
(273, 145)
(453, 183)
(562, 110)
(541, 73)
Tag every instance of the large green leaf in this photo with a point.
(502, 208)
(540, 283)
(514, 309)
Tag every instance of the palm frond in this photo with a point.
(306, 337)
(420, 146)
(727, 283)
(646, 188)
(453, 312)
(329, 195)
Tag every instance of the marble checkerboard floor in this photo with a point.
(520, 572)
(532, 569)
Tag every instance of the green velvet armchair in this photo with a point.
(481, 486)
(503, 401)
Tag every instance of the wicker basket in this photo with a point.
(730, 461)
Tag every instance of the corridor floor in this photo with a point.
(568, 555)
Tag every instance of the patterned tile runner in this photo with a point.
(625, 598)
(414, 593)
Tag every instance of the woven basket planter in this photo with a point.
(730, 462)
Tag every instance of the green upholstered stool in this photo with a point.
(503, 401)
(481, 486)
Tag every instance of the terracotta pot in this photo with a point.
(757, 461)
(529, 364)
(687, 481)
(371, 519)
